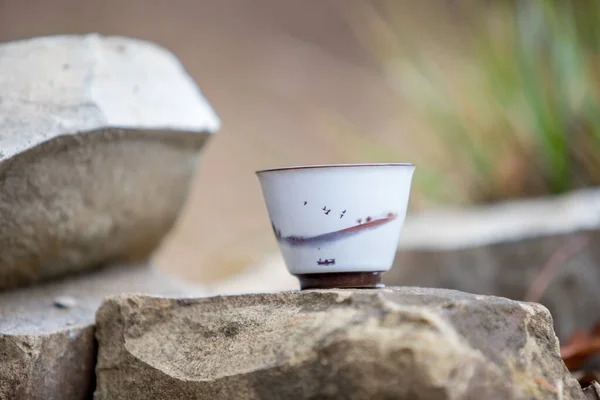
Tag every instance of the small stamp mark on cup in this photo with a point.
(330, 261)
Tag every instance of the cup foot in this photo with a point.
(341, 280)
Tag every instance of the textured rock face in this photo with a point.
(593, 391)
(47, 345)
(509, 269)
(99, 138)
(401, 343)
(501, 250)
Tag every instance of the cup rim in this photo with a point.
(325, 166)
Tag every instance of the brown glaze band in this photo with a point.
(341, 280)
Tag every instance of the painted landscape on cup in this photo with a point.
(360, 225)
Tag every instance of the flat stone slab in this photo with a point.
(508, 221)
(510, 269)
(507, 249)
(47, 345)
(99, 142)
(401, 343)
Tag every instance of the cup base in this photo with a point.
(341, 280)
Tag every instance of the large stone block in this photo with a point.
(99, 138)
(511, 249)
(47, 345)
(401, 343)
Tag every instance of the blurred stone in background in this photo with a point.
(540, 250)
(99, 142)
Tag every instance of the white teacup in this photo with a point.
(338, 225)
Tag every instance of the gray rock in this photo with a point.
(593, 391)
(401, 343)
(502, 250)
(99, 138)
(49, 353)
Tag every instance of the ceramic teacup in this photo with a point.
(338, 225)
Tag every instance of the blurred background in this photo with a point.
(493, 100)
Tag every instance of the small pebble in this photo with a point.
(65, 302)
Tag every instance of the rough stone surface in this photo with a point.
(48, 351)
(400, 343)
(99, 138)
(501, 250)
(593, 391)
(509, 269)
